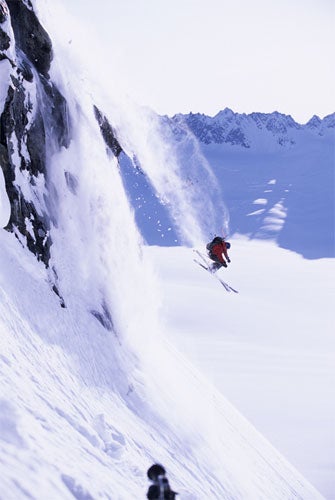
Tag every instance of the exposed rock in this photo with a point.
(30, 36)
(237, 137)
(3, 11)
(4, 40)
(33, 123)
(108, 133)
(13, 122)
(59, 120)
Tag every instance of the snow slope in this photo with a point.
(83, 416)
(92, 392)
(270, 349)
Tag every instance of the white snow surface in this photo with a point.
(94, 393)
(84, 412)
(270, 349)
(5, 68)
(4, 202)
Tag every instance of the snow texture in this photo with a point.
(95, 386)
(269, 349)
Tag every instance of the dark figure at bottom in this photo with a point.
(160, 488)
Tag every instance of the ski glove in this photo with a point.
(228, 260)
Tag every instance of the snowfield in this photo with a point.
(83, 416)
(270, 350)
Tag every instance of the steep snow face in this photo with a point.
(81, 416)
(171, 206)
(269, 349)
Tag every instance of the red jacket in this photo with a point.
(218, 249)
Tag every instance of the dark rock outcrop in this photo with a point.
(3, 11)
(30, 36)
(33, 123)
(4, 40)
(107, 132)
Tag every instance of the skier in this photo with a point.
(160, 488)
(217, 248)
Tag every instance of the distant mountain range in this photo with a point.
(254, 129)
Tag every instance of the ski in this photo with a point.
(201, 256)
(205, 266)
(202, 265)
(231, 289)
(227, 287)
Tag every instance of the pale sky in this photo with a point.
(205, 55)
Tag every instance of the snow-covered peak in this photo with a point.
(329, 121)
(254, 130)
(314, 122)
(225, 114)
(323, 126)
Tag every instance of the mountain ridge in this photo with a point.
(241, 129)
